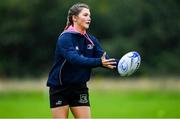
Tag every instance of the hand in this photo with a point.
(108, 63)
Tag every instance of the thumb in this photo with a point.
(104, 55)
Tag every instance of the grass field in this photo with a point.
(104, 103)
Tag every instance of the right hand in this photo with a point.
(108, 63)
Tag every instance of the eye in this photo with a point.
(86, 14)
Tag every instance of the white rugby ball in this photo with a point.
(129, 63)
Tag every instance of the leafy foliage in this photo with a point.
(29, 30)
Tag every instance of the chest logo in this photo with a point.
(89, 46)
(77, 48)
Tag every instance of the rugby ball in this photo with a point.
(129, 63)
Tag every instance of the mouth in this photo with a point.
(88, 22)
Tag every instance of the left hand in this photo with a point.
(108, 63)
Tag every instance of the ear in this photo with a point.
(74, 18)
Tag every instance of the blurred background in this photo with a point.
(28, 34)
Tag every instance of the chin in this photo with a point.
(86, 27)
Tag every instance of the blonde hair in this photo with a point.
(74, 10)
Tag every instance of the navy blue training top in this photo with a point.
(75, 56)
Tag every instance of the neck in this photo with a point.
(79, 29)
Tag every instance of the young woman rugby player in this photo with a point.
(77, 52)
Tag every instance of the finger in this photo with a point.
(109, 63)
(110, 60)
(111, 66)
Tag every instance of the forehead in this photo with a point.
(85, 10)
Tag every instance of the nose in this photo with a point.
(89, 18)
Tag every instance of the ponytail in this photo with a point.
(68, 23)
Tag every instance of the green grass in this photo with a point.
(103, 104)
(136, 104)
(24, 104)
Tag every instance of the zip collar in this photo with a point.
(72, 30)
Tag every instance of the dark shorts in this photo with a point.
(72, 95)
